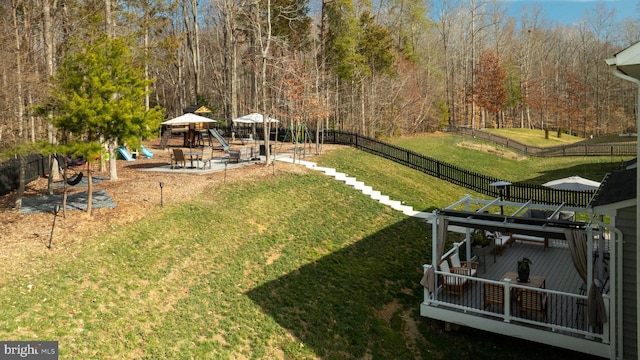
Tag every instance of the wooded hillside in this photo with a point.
(390, 67)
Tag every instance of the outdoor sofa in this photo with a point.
(541, 214)
(244, 154)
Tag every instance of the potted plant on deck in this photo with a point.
(524, 266)
(480, 239)
(482, 245)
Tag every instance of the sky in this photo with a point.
(569, 12)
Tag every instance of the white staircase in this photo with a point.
(359, 185)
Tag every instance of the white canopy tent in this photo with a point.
(253, 118)
(188, 118)
(575, 183)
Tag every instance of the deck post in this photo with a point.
(507, 300)
(427, 293)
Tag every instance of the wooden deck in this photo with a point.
(563, 312)
(554, 264)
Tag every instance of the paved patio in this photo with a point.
(217, 164)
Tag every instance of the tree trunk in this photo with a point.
(65, 187)
(265, 43)
(21, 182)
(107, 18)
(89, 189)
(113, 174)
(18, 59)
(363, 120)
(52, 164)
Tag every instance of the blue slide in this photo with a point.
(220, 139)
(125, 154)
(146, 152)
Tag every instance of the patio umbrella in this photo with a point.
(188, 118)
(253, 118)
(575, 183)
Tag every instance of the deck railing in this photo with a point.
(517, 191)
(563, 312)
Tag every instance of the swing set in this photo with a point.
(299, 136)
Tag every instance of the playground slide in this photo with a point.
(125, 154)
(220, 139)
(146, 152)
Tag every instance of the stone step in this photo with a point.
(367, 190)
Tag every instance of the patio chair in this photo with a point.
(502, 240)
(453, 284)
(493, 294)
(532, 301)
(178, 158)
(207, 156)
(471, 265)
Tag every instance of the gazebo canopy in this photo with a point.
(253, 118)
(188, 118)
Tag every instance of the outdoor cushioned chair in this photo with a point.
(207, 156)
(453, 284)
(178, 158)
(471, 265)
(531, 301)
(492, 294)
(502, 240)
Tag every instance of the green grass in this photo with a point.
(535, 170)
(298, 266)
(399, 182)
(610, 139)
(536, 137)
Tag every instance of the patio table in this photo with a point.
(193, 154)
(527, 300)
(534, 281)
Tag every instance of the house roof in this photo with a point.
(628, 61)
(196, 109)
(616, 186)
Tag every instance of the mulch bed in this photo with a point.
(26, 234)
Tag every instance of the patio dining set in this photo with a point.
(197, 159)
(524, 295)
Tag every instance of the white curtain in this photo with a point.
(428, 279)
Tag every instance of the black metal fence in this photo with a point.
(36, 166)
(517, 191)
(612, 149)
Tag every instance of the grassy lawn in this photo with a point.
(280, 269)
(536, 137)
(535, 170)
(299, 266)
